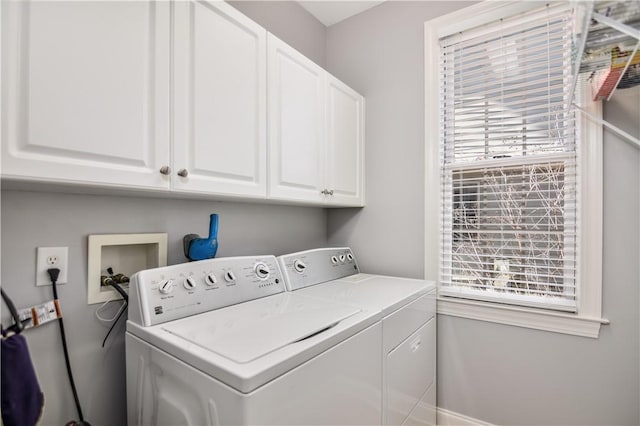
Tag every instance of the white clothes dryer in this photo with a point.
(408, 307)
(220, 341)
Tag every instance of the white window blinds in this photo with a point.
(509, 184)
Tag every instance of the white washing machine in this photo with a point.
(408, 308)
(220, 341)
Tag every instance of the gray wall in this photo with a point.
(32, 219)
(380, 54)
(302, 30)
(496, 373)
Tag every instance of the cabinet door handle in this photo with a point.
(183, 173)
(324, 192)
(165, 170)
(330, 192)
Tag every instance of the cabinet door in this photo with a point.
(409, 372)
(296, 124)
(220, 100)
(345, 144)
(85, 92)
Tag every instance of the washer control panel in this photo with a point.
(307, 268)
(172, 292)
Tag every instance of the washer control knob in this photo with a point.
(349, 257)
(299, 266)
(229, 276)
(210, 279)
(166, 286)
(342, 258)
(189, 283)
(262, 270)
(334, 259)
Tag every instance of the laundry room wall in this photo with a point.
(496, 373)
(38, 218)
(380, 54)
(298, 20)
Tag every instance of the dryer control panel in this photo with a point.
(311, 267)
(177, 291)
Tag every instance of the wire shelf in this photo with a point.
(607, 53)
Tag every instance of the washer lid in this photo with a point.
(249, 331)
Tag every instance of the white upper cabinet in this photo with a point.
(186, 96)
(220, 95)
(296, 124)
(345, 144)
(316, 132)
(85, 92)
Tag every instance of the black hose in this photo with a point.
(113, 325)
(53, 273)
(125, 297)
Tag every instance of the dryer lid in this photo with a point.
(248, 331)
(374, 291)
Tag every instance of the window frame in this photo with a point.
(588, 318)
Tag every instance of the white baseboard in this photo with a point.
(450, 418)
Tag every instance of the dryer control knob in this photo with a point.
(189, 283)
(299, 266)
(166, 286)
(349, 257)
(262, 270)
(342, 258)
(210, 279)
(229, 276)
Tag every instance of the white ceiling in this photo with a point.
(334, 11)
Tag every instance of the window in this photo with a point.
(509, 164)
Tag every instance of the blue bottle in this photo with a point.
(197, 248)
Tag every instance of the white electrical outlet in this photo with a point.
(51, 257)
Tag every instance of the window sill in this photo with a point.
(537, 319)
